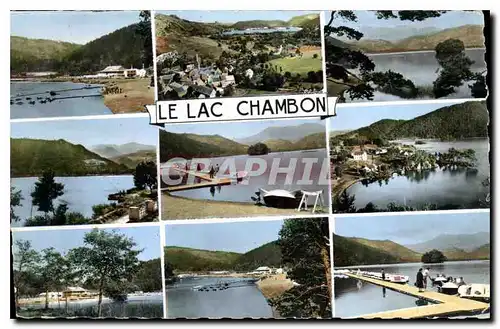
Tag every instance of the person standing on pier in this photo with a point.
(383, 275)
(426, 275)
(420, 281)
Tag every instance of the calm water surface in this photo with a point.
(258, 31)
(237, 302)
(57, 108)
(422, 68)
(355, 298)
(80, 193)
(242, 192)
(450, 188)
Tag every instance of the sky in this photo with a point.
(232, 236)
(90, 132)
(227, 16)
(146, 237)
(447, 20)
(70, 26)
(410, 229)
(349, 118)
(235, 130)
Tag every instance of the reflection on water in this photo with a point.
(450, 188)
(303, 179)
(80, 193)
(57, 108)
(422, 68)
(238, 302)
(354, 297)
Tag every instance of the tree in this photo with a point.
(341, 62)
(455, 70)
(148, 277)
(144, 30)
(25, 260)
(15, 201)
(344, 203)
(305, 249)
(52, 269)
(106, 257)
(145, 175)
(433, 256)
(46, 191)
(315, 56)
(258, 149)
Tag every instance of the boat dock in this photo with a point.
(446, 304)
(209, 182)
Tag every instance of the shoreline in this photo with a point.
(134, 93)
(185, 208)
(65, 176)
(390, 52)
(339, 188)
(274, 286)
(410, 263)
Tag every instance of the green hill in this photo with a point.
(188, 147)
(30, 55)
(309, 142)
(482, 252)
(349, 252)
(304, 20)
(30, 157)
(278, 144)
(402, 253)
(199, 260)
(258, 23)
(459, 121)
(124, 47)
(471, 35)
(268, 254)
(133, 159)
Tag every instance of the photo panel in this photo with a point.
(222, 53)
(410, 157)
(80, 63)
(374, 55)
(412, 266)
(75, 172)
(263, 268)
(244, 169)
(88, 272)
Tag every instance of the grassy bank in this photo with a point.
(174, 207)
(274, 286)
(300, 65)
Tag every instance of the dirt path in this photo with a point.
(343, 184)
(174, 207)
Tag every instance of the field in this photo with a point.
(300, 65)
(136, 93)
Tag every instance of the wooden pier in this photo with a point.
(446, 304)
(209, 182)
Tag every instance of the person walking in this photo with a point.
(420, 281)
(211, 172)
(426, 276)
(383, 275)
(216, 169)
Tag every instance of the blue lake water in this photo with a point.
(57, 108)
(452, 188)
(80, 193)
(354, 297)
(237, 302)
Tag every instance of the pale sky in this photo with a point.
(411, 229)
(146, 237)
(70, 26)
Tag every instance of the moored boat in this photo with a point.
(475, 291)
(280, 198)
(448, 288)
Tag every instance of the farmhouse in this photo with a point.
(359, 155)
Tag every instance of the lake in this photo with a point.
(443, 187)
(355, 298)
(263, 30)
(80, 193)
(242, 192)
(56, 108)
(422, 68)
(238, 302)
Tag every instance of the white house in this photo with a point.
(381, 151)
(51, 294)
(264, 269)
(360, 156)
(112, 71)
(280, 271)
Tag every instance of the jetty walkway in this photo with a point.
(208, 182)
(446, 304)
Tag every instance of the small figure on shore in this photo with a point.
(420, 281)
(426, 275)
(211, 172)
(383, 275)
(216, 169)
